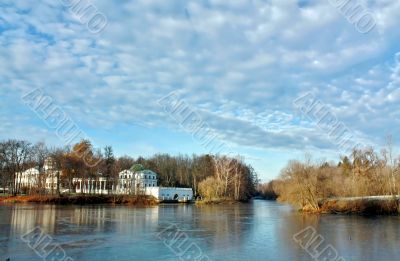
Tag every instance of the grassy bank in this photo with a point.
(82, 199)
(380, 205)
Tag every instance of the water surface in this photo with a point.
(261, 230)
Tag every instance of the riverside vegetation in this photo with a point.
(364, 182)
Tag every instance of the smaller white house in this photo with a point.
(170, 193)
(136, 180)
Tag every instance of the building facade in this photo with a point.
(165, 194)
(34, 178)
(91, 185)
(136, 180)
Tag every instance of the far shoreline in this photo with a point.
(96, 199)
(139, 200)
(362, 206)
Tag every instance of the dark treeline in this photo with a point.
(362, 173)
(211, 177)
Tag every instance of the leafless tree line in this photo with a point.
(364, 172)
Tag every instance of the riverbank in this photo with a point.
(140, 200)
(373, 205)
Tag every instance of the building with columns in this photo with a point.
(46, 178)
(135, 181)
(91, 185)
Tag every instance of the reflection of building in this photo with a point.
(26, 217)
(34, 178)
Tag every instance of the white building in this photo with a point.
(170, 193)
(140, 181)
(28, 178)
(33, 178)
(136, 180)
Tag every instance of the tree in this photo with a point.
(39, 153)
(109, 166)
(202, 167)
(59, 157)
(346, 165)
(211, 188)
(17, 154)
(82, 162)
(124, 163)
(223, 167)
(4, 174)
(301, 184)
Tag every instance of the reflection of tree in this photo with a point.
(373, 237)
(354, 237)
(289, 223)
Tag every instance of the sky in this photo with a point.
(238, 65)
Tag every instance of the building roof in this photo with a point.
(137, 167)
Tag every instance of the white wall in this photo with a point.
(168, 193)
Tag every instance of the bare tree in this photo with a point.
(4, 174)
(40, 152)
(108, 167)
(16, 155)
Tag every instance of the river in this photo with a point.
(261, 230)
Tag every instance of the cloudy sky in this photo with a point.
(239, 65)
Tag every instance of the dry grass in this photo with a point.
(361, 206)
(134, 200)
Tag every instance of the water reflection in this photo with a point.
(24, 218)
(354, 237)
(259, 231)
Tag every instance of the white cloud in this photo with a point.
(241, 62)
